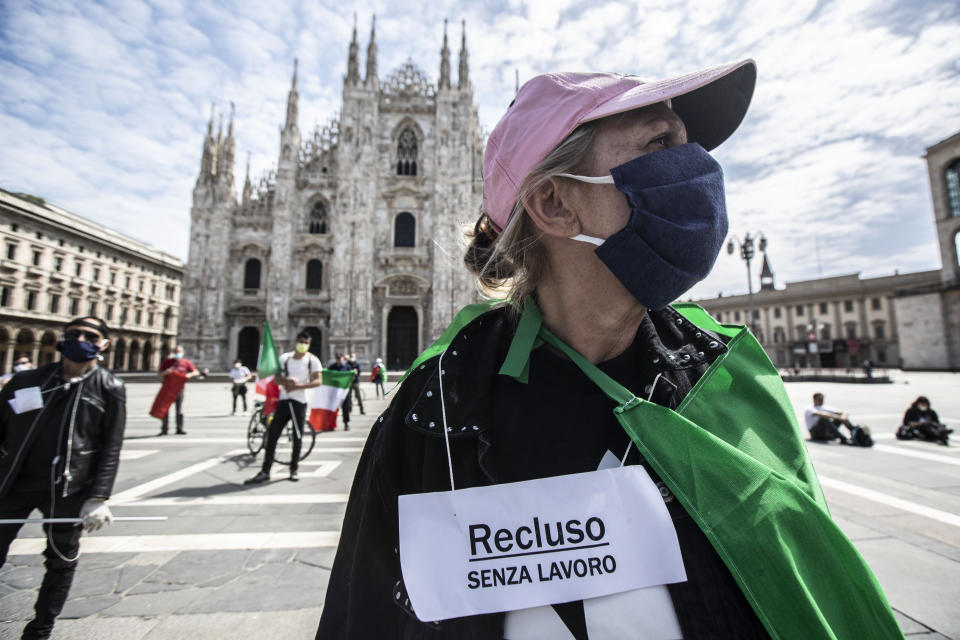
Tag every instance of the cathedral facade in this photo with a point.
(356, 235)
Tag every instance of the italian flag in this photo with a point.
(268, 366)
(326, 399)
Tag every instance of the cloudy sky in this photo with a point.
(103, 105)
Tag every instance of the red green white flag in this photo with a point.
(326, 399)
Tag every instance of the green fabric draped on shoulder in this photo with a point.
(733, 455)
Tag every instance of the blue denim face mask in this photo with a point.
(678, 222)
(78, 350)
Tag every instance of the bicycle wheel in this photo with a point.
(256, 432)
(284, 451)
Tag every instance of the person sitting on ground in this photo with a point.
(922, 422)
(824, 423)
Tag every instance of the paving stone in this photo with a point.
(301, 623)
(28, 560)
(83, 607)
(130, 575)
(93, 561)
(18, 605)
(264, 556)
(94, 583)
(202, 567)
(247, 593)
(155, 604)
(908, 625)
(101, 628)
(317, 557)
(156, 587)
(22, 577)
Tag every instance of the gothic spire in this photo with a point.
(463, 80)
(208, 163)
(353, 60)
(226, 153)
(371, 78)
(766, 274)
(444, 60)
(292, 100)
(247, 187)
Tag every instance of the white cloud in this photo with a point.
(103, 107)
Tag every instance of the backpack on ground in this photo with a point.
(860, 436)
(905, 433)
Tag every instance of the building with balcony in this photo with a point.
(56, 265)
(355, 237)
(907, 320)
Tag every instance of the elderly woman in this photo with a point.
(601, 206)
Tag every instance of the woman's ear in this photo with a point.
(551, 208)
(104, 344)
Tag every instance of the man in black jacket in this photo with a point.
(61, 429)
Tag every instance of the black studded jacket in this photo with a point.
(504, 430)
(91, 429)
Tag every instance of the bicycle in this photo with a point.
(257, 432)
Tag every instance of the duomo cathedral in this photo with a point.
(356, 235)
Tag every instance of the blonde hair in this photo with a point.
(512, 263)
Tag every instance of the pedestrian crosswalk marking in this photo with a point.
(897, 503)
(252, 497)
(136, 454)
(189, 542)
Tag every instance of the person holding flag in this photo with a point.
(299, 370)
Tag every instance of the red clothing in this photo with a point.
(180, 365)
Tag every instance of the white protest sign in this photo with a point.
(527, 544)
(26, 399)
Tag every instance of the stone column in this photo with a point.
(35, 353)
(8, 356)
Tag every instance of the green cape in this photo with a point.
(733, 454)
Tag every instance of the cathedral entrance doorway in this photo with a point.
(402, 337)
(248, 346)
(316, 341)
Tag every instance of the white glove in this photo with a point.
(94, 514)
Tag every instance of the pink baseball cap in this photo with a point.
(711, 102)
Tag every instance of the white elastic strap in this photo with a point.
(590, 179)
(650, 395)
(443, 415)
(53, 477)
(585, 238)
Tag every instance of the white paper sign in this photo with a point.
(527, 544)
(26, 399)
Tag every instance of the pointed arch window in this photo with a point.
(404, 230)
(953, 188)
(318, 219)
(314, 275)
(251, 274)
(407, 153)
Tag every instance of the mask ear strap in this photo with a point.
(590, 179)
(585, 238)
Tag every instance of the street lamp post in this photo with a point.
(746, 254)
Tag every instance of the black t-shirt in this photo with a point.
(560, 423)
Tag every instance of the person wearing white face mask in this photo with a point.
(299, 370)
(22, 363)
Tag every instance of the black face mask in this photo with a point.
(678, 222)
(79, 351)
